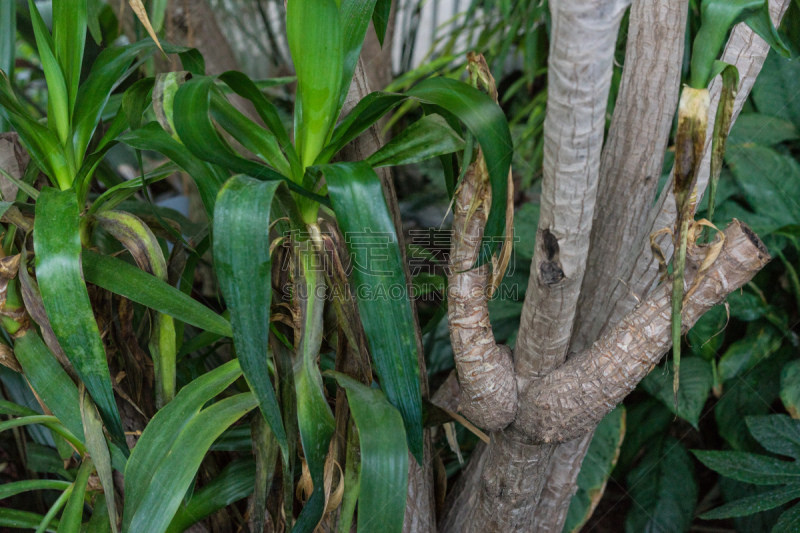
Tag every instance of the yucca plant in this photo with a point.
(282, 196)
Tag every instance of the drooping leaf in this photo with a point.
(163, 431)
(380, 18)
(383, 474)
(361, 211)
(244, 270)
(174, 475)
(722, 125)
(7, 490)
(664, 488)
(122, 278)
(429, 137)
(15, 518)
(58, 267)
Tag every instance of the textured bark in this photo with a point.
(420, 507)
(583, 40)
(629, 171)
(619, 290)
(571, 400)
(639, 272)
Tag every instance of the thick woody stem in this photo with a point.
(572, 399)
(485, 371)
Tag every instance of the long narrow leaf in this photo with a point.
(69, 38)
(244, 269)
(363, 216)
(58, 266)
(431, 136)
(73, 512)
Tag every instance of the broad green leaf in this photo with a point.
(314, 31)
(761, 342)
(7, 490)
(385, 310)
(789, 521)
(664, 489)
(152, 137)
(231, 485)
(14, 518)
(770, 183)
(696, 382)
(763, 129)
(163, 432)
(244, 270)
(775, 88)
(73, 512)
(314, 416)
(776, 433)
(384, 457)
(109, 69)
(122, 278)
(58, 101)
(58, 267)
(750, 467)
(718, 17)
(755, 504)
(179, 467)
(790, 388)
(50, 381)
(69, 38)
(708, 333)
(429, 137)
(596, 469)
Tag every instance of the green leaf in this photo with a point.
(718, 17)
(380, 18)
(69, 38)
(708, 333)
(265, 449)
(774, 90)
(58, 267)
(596, 469)
(164, 492)
(696, 382)
(664, 489)
(754, 504)
(790, 388)
(100, 521)
(384, 457)
(487, 122)
(761, 342)
(163, 431)
(776, 433)
(58, 100)
(231, 485)
(152, 137)
(789, 521)
(73, 512)
(244, 270)
(429, 137)
(760, 128)
(8, 42)
(109, 69)
(8, 490)
(314, 416)
(50, 381)
(24, 520)
(122, 278)
(314, 31)
(750, 467)
(96, 444)
(363, 216)
(355, 16)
